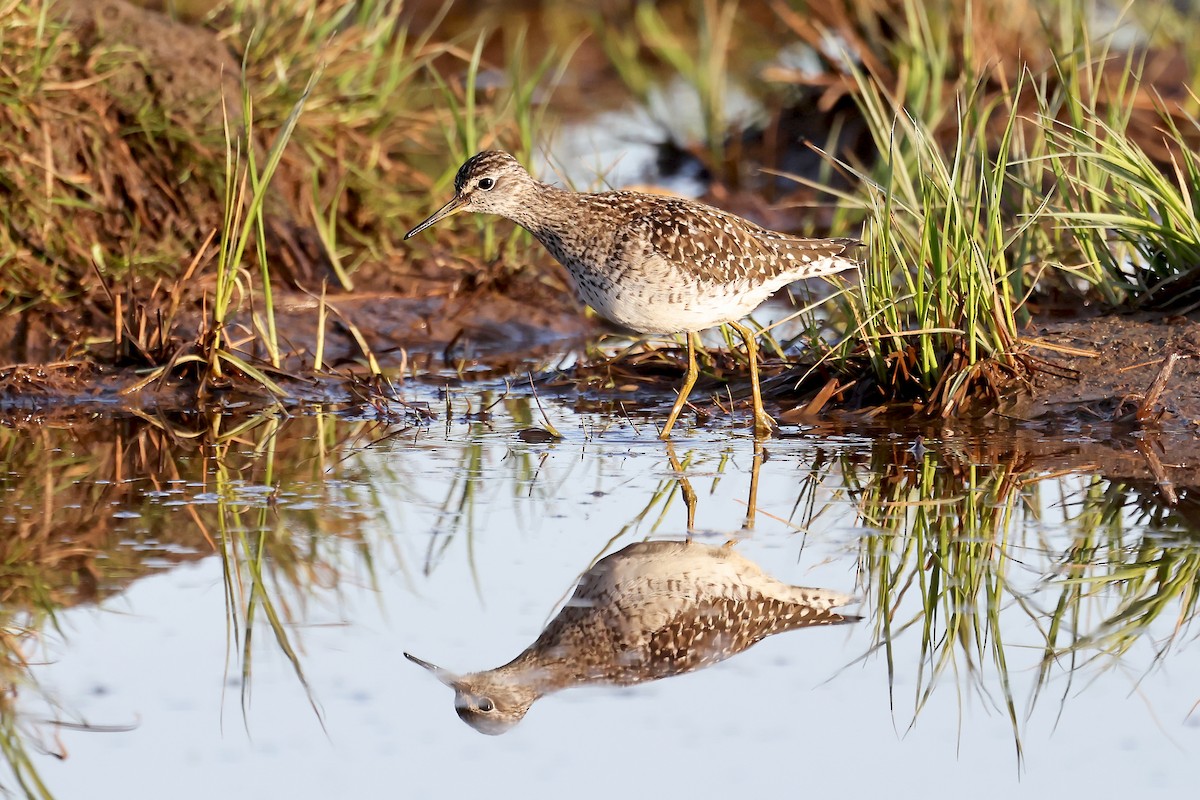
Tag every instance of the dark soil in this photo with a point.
(477, 335)
(1119, 357)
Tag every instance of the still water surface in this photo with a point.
(1020, 633)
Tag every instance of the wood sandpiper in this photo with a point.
(650, 611)
(653, 264)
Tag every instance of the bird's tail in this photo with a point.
(820, 606)
(820, 256)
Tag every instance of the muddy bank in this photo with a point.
(1089, 374)
(1093, 371)
(476, 337)
(124, 146)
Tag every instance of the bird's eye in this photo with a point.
(485, 704)
(486, 183)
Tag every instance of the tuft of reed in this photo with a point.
(1135, 219)
(1005, 182)
(938, 305)
(244, 221)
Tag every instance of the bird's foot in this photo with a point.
(764, 426)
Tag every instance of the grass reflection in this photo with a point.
(18, 732)
(1136, 580)
(87, 509)
(943, 538)
(260, 557)
(961, 552)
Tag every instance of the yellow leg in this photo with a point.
(689, 380)
(764, 426)
(752, 500)
(685, 488)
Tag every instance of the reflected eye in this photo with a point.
(484, 703)
(486, 183)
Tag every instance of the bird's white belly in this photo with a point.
(680, 308)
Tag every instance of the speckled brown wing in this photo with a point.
(658, 609)
(714, 245)
(717, 630)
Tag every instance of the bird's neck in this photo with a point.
(542, 213)
(551, 663)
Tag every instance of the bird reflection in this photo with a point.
(650, 611)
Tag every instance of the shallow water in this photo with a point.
(1020, 632)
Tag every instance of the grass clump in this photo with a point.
(80, 211)
(943, 280)
(117, 179)
(999, 181)
(951, 213)
(1136, 220)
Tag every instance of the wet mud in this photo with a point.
(1094, 368)
(1106, 378)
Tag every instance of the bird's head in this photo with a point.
(489, 702)
(491, 182)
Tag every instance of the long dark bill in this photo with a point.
(450, 209)
(443, 675)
